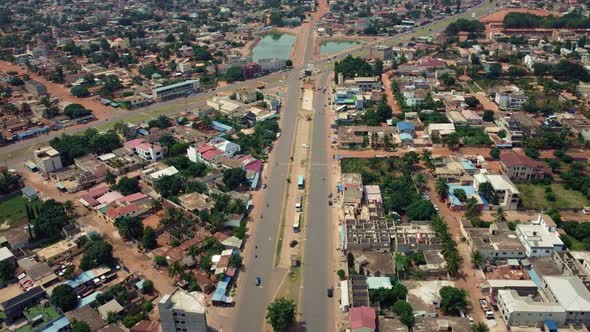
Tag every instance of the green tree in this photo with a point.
(488, 115)
(420, 210)
(96, 253)
(500, 215)
(110, 178)
(127, 186)
(477, 259)
(149, 238)
(281, 314)
(453, 300)
(232, 178)
(442, 188)
(341, 274)
(174, 269)
(479, 327)
(78, 326)
(234, 73)
(50, 220)
(160, 261)
(130, 228)
(7, 270)
(79, 91)
(64, 297)
(495, 153)
(148, 286)
(452, 140)
(170, 185)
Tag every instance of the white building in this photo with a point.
(366, 84)
(48, 160)
(539, 239)
(510, 101)
(150, 152)
(519, 310)
(571, 293)
(506, 192)
(182, 311)
(270, 65)
(229, 148)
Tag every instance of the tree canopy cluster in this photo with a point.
(450, 252)
(464, 25)
(74, 111)
(351, 67)
(96, 253)
(563, 70)
(526, 20)
(50, 220)
(9, 182)
(281, 314)
(90, 141)
(265, 133)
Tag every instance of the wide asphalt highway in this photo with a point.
(252, 301)
(316, 308)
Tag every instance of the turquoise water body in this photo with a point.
(336, 46)
(274, 46)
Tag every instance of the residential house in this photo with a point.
(362, 319)
(494, 242)
(48, 160)
(520, 167)
(506, 192)
(510, 101)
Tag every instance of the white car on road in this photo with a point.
(305, 146)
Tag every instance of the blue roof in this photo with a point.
(220, 126)
(221, 290)
(57, 325)
(469, 191)
(29, 192)
(143, 132)
(88, 299)
(551, 326)
(405, 136)
(139, 284)
(405, 125)
(535, 278)
(80, 279)
(468, 165)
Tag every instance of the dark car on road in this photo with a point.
(258, 281)
(293, 243)
(330, 292)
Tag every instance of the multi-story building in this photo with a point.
(520, 167)
(571, 293)
(366, 84)
(246, 96)
(48, 160)
(540, 239)
(270, 65)
(382, 52)
(495, 242)
(150, 152)
(183, 312)
(517, 310)
(505, 191)
(513, 130)
(510, 101)
(175, 90)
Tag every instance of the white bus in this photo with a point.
(299, 203)
(296, 223)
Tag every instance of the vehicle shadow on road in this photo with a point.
(299, 327)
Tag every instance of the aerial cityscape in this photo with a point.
(299, 165)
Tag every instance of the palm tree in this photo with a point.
(427, 158)
(110, 178)
(420, 181)
(479, 327)
(174, 269)
(193, 251)
(454, 262)
(477, 259)
(500, 215)
(69, 207)
(442, 188)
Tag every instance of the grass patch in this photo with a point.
(291, 287)
(373, 170)
(50, 313)
(12, 211)
(533, 197)
(573, 243)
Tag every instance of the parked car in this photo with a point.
(330, 202)
(293, 243)
(330, 292)
(258, 281)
